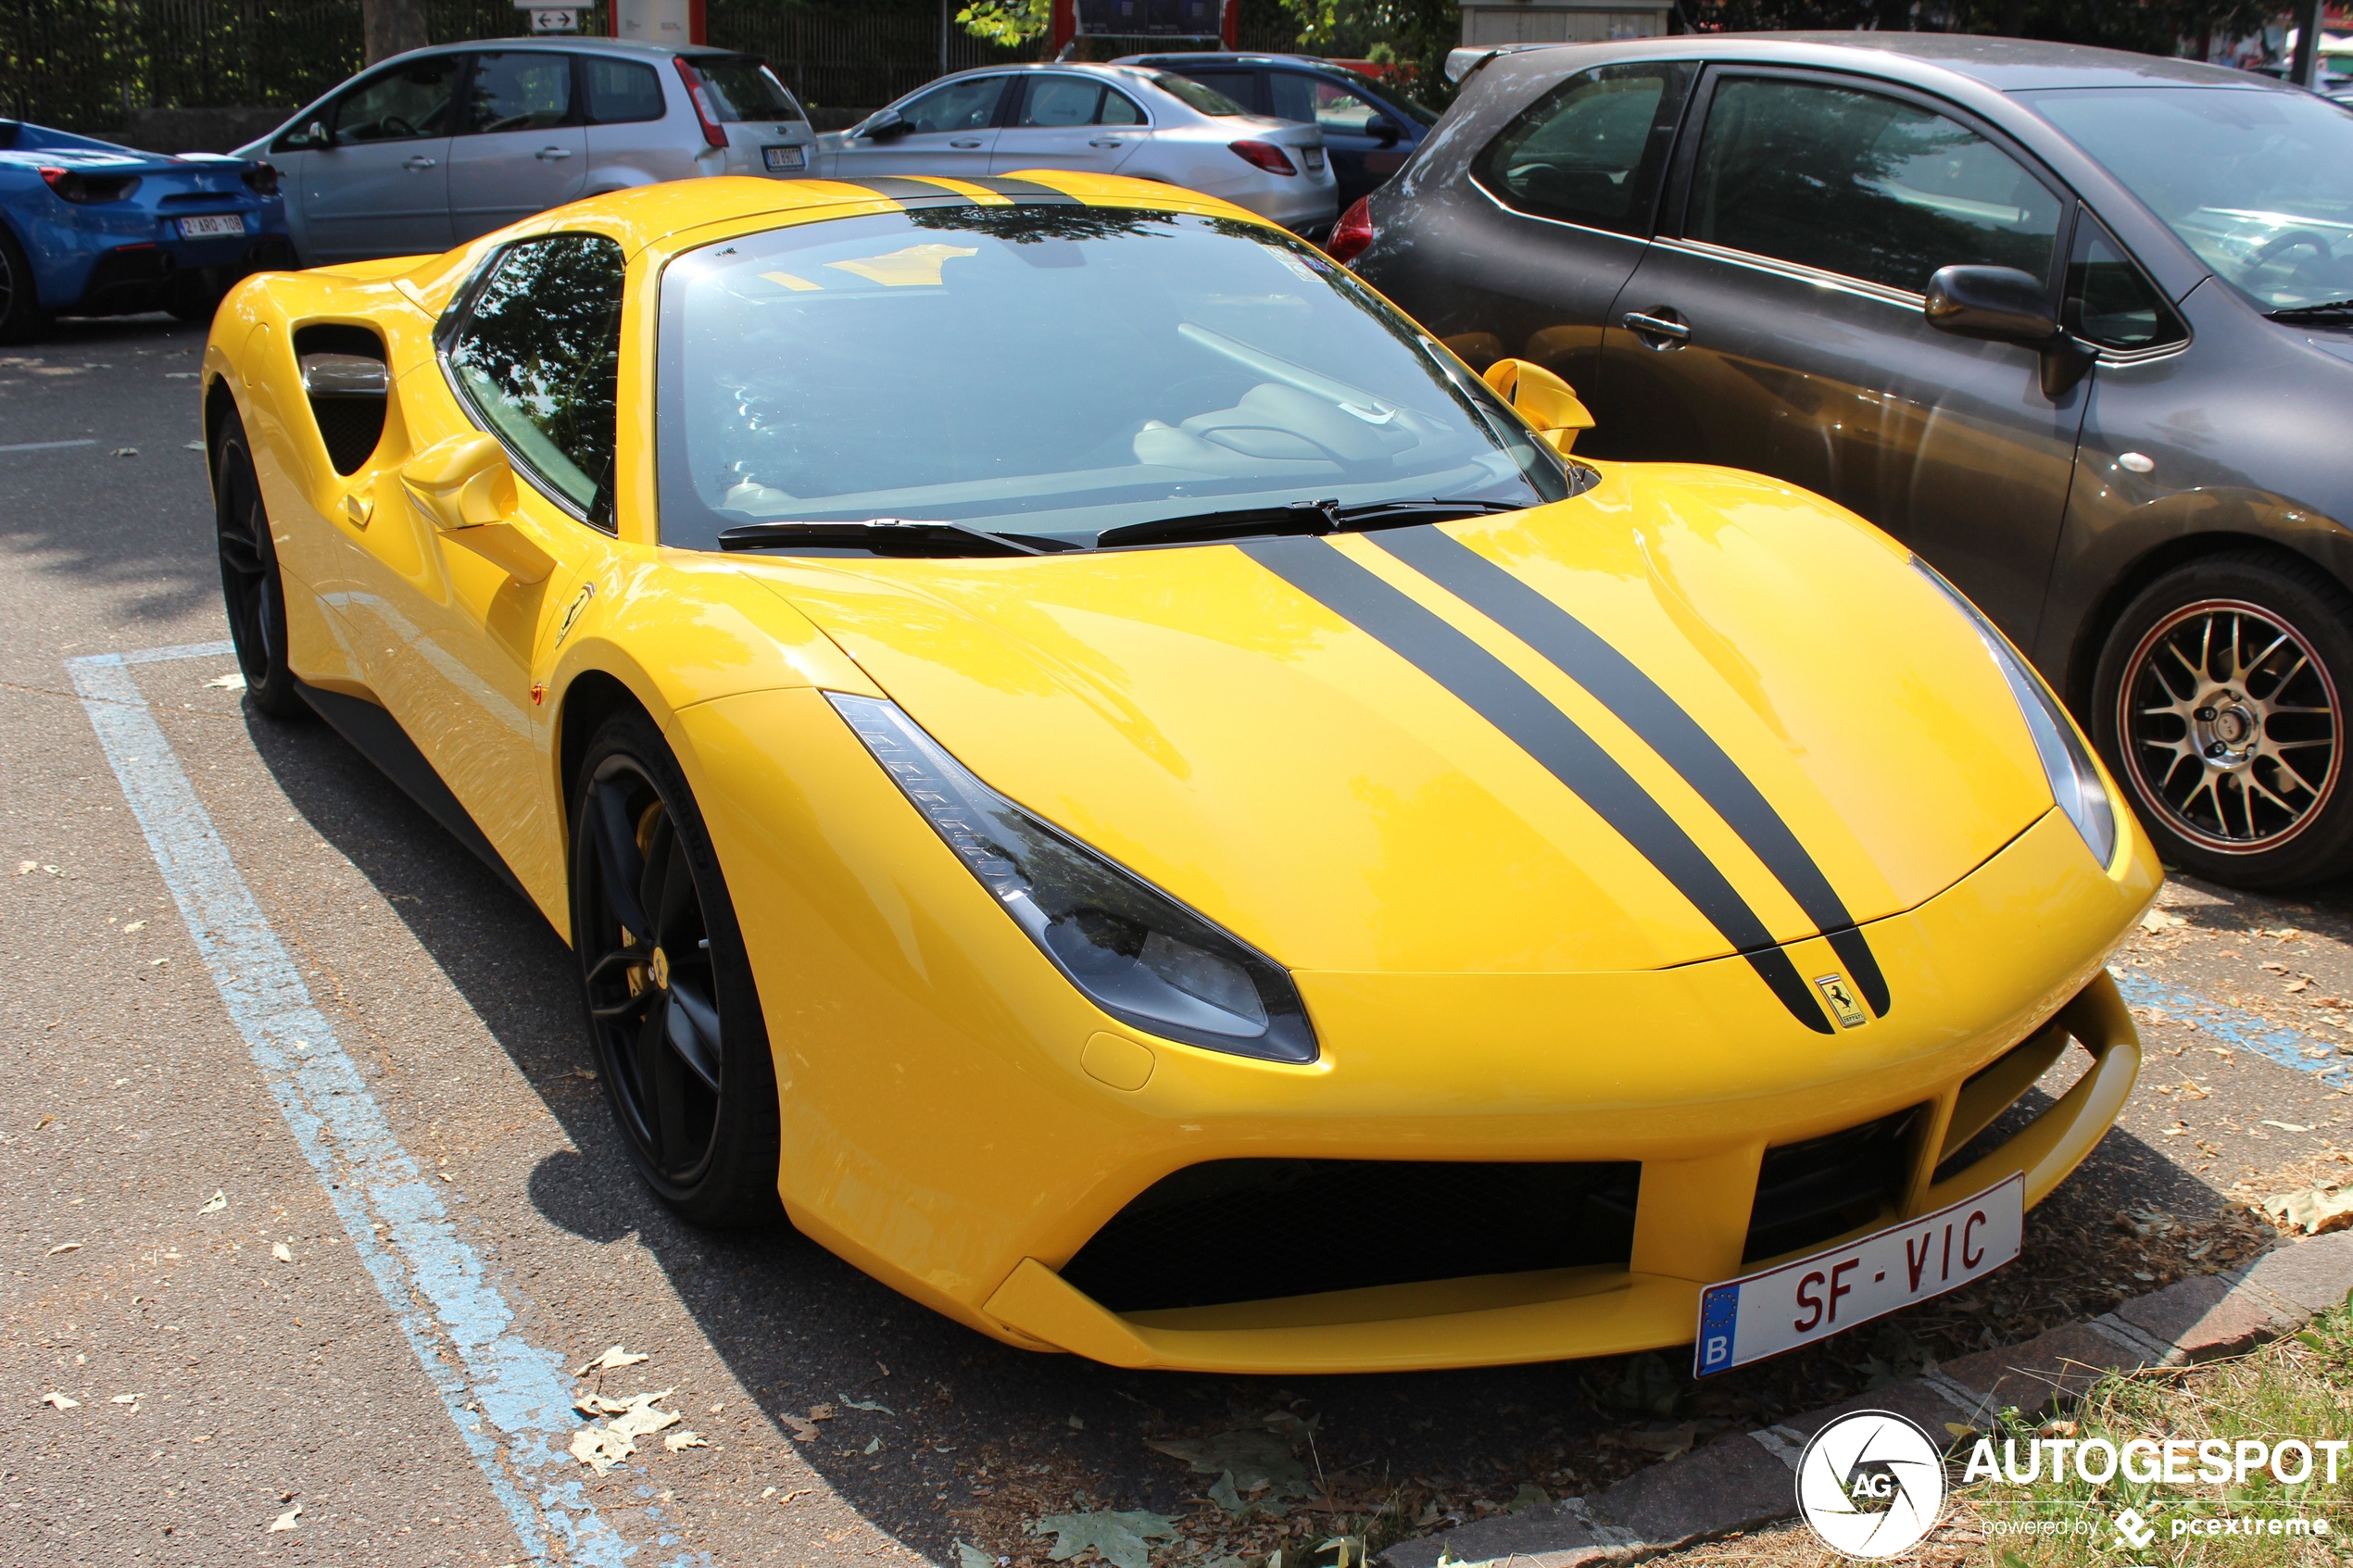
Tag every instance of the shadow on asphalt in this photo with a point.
(798, 1327)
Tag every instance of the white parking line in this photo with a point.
(508, 1398)
(43, 446)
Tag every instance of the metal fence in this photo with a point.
(87, 65)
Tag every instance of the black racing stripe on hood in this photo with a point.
(1025, 190)
(1618, 684)
(1493, 690)
(900, 188)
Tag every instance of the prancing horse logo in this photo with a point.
(1844, 1007)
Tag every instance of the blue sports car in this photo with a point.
(88, 228)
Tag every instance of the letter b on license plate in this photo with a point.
(1763, 1314)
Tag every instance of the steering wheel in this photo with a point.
(393, 125)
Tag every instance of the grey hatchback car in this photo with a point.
(438, 147)
(2075, 325)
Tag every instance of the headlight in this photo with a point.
(1138, 954)
(2075, 782)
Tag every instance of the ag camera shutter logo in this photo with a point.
(1870, 1484)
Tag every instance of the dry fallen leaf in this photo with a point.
(213, 1205)
(640, 1419)
(280, 1251)
(600, 1449)
(804, 1430)
(592, 1405)
(616, 1357)
(65, 1246)
(43, 1122)
(821, 1412)
(59, 1401)
(2314, 1211)
(125, 1400)
(2285, 1126)
(231, 681)
(677, 1441)
(285, 1521)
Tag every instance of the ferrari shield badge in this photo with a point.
(1840, 996)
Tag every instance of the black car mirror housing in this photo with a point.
(2006, 304)
(885, 127)
(1383, 130)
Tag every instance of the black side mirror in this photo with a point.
(1384, 130)
(2004, 305)
(884, 127)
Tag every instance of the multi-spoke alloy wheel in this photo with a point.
(251, 590)
(2223, 712)
(670, 1006)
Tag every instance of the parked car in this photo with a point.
(88, 228)
(1104, 120)
(1370, 127)
(2076, 325)
(436, 146)
(1068, 739)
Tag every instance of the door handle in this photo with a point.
(1106, 142)
(971, 143)
(1659, 324)
(551, 155)
(418, 164)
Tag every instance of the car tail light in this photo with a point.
(700, 96)
(262, 179)
(74, 185)
(1351, 233)
(1265, 155)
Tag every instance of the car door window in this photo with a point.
(970, 105)
(1327, 104)
(1857, 183)
(1119, 109)
(538, 357)
(2108, 300)
(1238, 88)
(518, 92)
(621, 92)
(1060, 100)
(404, 104)
(742, 87)
(1592, 150)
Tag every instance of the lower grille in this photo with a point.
(1252, 1230)
(130, 278)
(1810, 1192)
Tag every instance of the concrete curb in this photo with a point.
(1734, 1484)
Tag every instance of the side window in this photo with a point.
(2109, 302)
(538, 358)
(1241, 87)
(1334, 108)
(518, 91)
(1592, 149)
(621, 92)
(1862, 185)
(1119, 109)
(403, 103)
(970, 105)
(1060, 100)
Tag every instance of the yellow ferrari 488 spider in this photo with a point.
(1093, 766)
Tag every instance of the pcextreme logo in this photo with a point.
(1870, 1484)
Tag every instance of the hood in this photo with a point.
(1593, 737)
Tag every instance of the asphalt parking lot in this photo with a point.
(282, 1295)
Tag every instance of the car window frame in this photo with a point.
(576, 105)
(1011, 109)
(453, 321)
(1675, 189)
(329, 110)
(2080, 212)
(581, 61)
(1650, 228)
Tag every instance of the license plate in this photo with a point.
(784, 158)
(1763, 1314)
(211, 227)
(1315, 161)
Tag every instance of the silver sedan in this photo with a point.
(1102, 120)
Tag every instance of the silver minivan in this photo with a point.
(438, 147)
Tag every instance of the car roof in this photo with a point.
(2006, 65)
(574, 43)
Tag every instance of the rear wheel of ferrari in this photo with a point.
(2221, 704)
(672, 1007)
(20, 316)
(251, 588)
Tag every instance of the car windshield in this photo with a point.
(2258, 182)
(1055, 371)
(743, 88)
(1196, 95)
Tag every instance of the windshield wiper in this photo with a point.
(1299, 517)
(883, 536)
(2334, 310)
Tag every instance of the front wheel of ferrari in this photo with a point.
(672, 1008)
(2220, 704)
(252, 590)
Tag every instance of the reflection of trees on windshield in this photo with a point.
(542, 345)
(1030, 225)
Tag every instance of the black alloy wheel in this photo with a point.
(251, 589)
(20, 314)
(2221, 707)
(671, 1007)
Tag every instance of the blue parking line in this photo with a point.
(2241, 1028)
(508, 1398)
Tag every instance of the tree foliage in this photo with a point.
(1009, 24)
